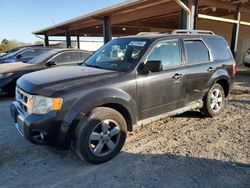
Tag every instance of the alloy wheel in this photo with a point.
(217, 100)
(104, 138)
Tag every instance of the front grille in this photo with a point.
(22, 99)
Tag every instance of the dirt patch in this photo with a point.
(187, 150)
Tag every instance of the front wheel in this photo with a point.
(101, 135)
(214, 101)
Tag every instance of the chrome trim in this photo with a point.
(22, 100)
(20, 127)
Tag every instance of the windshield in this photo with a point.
(118, 54)
(41, 57)
(12, 54)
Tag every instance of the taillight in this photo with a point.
(234, 69)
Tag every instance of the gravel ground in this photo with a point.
(187, 150)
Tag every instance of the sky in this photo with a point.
(19, 18)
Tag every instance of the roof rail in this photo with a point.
(195, 32)
(148, 33)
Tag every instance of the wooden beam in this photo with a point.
(157, 10)
(223, 5)
(82, 25)
(144, 24)
(147, 12)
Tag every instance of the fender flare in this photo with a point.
(101, 97)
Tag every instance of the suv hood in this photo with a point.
(47, 82)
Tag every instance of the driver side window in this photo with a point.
(168, 52)
(65, 57)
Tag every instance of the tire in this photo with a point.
(100, 135)
(214, 101)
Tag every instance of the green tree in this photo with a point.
(4, 46)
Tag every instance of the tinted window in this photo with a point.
(167, 52)
(13, 53)
(66, 57)
(196, 51)
(45, 50)
(80, 56)
(220, 48)
(31, 53)
(84, 55)
(41, 58)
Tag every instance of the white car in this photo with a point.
(247, 58)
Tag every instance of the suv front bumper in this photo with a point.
(38, 129)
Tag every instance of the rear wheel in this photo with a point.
(214, 101)
(101, 135)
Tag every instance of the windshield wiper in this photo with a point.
(94, 66)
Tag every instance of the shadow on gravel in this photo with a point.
(126, 170)
(233, 101)
(190, 114)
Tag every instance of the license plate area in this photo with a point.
(19, 125)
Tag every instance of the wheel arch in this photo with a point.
(224, 83)
(115, 99)
(123, 111)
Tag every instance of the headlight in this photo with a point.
(4, 75)
(43, 105)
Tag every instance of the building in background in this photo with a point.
(85, 43)
(229, 18)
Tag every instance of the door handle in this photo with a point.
(210, 69)
(177, 76)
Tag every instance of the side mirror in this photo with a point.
(50, 63)
(19, 56)
(151, 66)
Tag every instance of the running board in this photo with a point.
(191, 106)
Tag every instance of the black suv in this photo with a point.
(129, 81)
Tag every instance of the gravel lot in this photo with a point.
(183, 151)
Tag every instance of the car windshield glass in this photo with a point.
(41, 57)
(12, 54)
(118, 54)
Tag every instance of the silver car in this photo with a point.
(247, 58)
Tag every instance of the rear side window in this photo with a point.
(220, 47)
(196, 51)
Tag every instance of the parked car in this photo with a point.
(129, 81)
(2, 54)
(247, 58)
(9, 73)
(24, 54)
